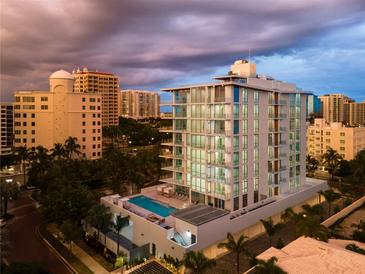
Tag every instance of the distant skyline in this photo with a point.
(318, 45)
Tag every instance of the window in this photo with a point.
(33, 140)
(24, 124)
(84, 123)
(24, 115)
(92, 100)
(84, 131)
(92, 107)
(17, 115)
(44, 107)
(17, 99)
(83, 115)
(28, 107)
(33, 124)
(24, 132)
(28, 99)
(83, 107)
(44, 99)
(33, 115)
(83, 99)
(342, 134)
(33, 131)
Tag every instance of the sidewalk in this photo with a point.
(93, 265)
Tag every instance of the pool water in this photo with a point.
(152, 205)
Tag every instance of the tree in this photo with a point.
(198, 262)
(310, 226)
(99, 217)
(358, 166)
(313, 211)
(120, 222)
(330, 197)
(359, 233)
(58, 151)
(234, 246)
(312, 164)
(71, 232)
(344, 169)
(22, 155)
(71, 147)
(270, 228)
(331, 160)
(268, 267)
(290, 215)
(8, 190)
(64, 200)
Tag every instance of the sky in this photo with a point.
(317, 44)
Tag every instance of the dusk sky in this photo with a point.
(152, 44)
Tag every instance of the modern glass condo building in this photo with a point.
(237, 141)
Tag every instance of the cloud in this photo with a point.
(156, 43)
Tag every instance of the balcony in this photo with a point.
(166, 155)
(167, 142)
(166, 129)
(166, 103)
(219, 100)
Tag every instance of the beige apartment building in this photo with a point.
(354, 113)
(43, 118)
(106, 84)
(6, 128)
(347, 141)
(139, 104)
(333, 107)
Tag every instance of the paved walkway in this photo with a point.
(93, 265)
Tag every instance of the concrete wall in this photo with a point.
(344, 212)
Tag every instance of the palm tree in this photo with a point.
(331, 160)
(58, 151)
(99, 217)
(310, 226)
(270, 228)
(120, 222)
(330, 197)
(236, 247)
(268, 267)
(198, 262)
(290, 215)
(312, 164)
(22, 155)
(72, 147)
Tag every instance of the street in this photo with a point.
(25, 243)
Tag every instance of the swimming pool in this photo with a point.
(152, 205)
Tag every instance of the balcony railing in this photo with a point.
(166, 102)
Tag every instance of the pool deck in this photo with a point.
(173, 202)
